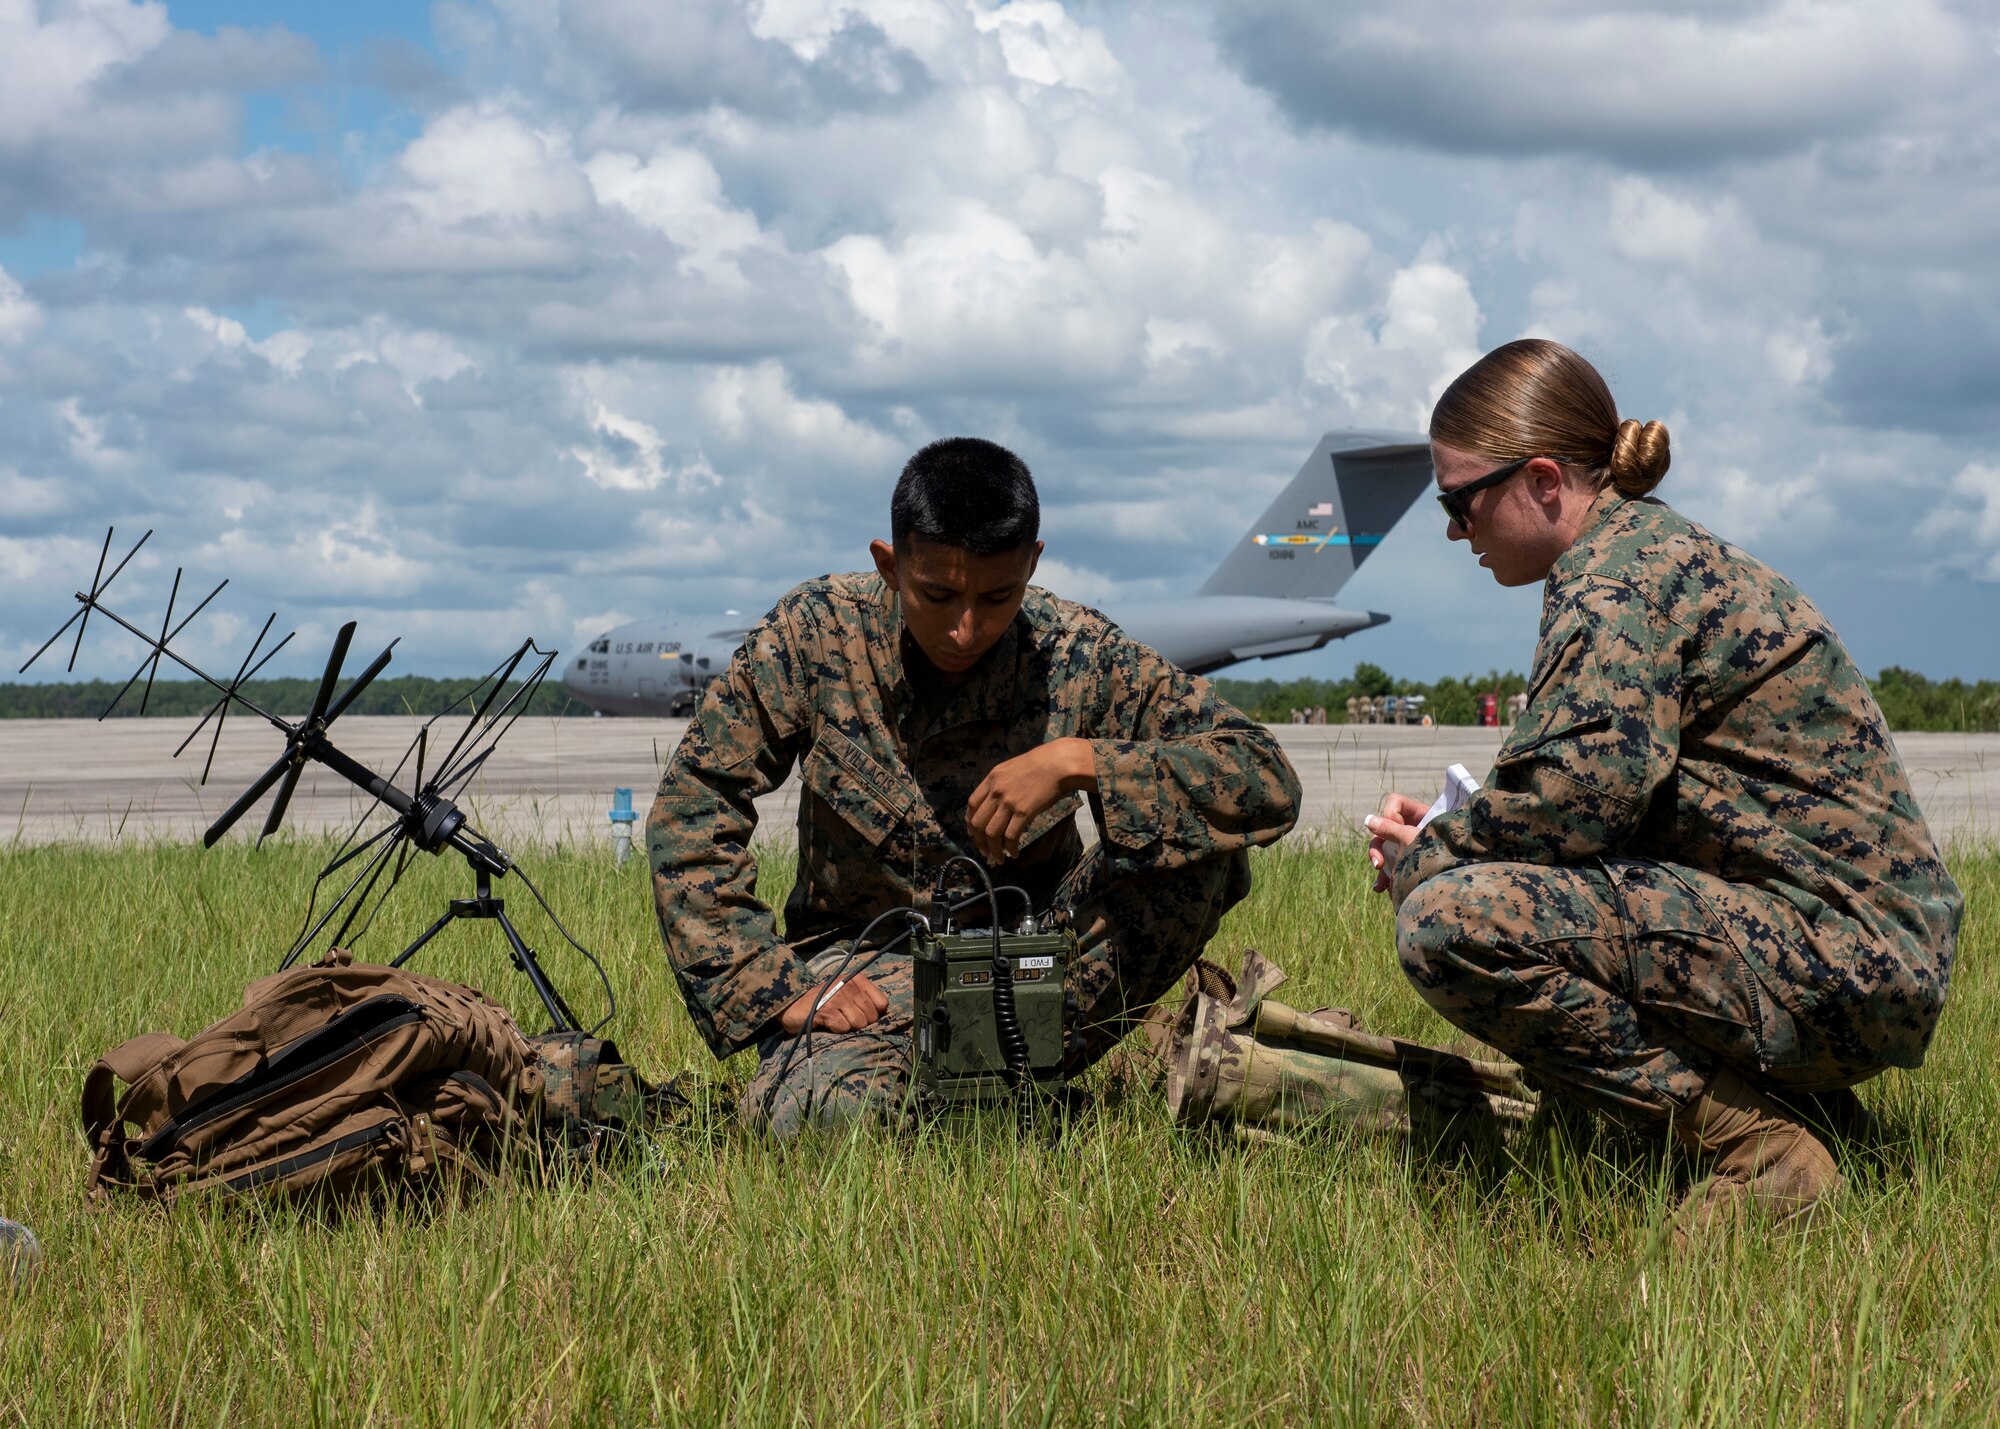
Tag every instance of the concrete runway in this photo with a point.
(552, 779)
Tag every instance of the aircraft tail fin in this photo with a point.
(1352, 489)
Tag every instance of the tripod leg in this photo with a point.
(559, 1014)
(422, 938)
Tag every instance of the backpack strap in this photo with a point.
(129, 1062)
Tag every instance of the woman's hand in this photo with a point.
(1390, 832)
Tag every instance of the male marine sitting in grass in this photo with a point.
(940, 706)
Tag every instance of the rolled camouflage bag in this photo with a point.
(583, 1098)
(1262, 1067)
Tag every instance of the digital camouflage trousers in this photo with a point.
(1136, 936)
(1621, 982)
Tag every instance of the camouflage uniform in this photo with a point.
(1697, 847)
(890, 755)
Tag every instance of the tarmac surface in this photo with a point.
(551, 780)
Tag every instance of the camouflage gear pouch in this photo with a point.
(583, 1098)
(1142, 1062)
(1264, 1068)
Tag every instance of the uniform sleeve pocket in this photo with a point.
(1565, 659)
(1050, 819)
(857, 788)
(1563, 708)
(1527, 740)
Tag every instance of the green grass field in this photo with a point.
(1134, 1274)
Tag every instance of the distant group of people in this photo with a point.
(1391, 709)
(1401, 709)
(1387, 709)
(1694, 892)
(1410, 709)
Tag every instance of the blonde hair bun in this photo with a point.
(1639, 456)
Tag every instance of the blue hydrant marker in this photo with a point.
(621, 824)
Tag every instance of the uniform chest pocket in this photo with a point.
(856, 788)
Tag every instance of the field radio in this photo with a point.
(981, 994)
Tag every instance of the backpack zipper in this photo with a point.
(301, 1160)
(465, 1076)
(351, 1031)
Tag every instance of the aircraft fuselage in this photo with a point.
(1272, 595)
(649, 668)
(653, 667)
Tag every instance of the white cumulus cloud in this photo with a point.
(1386, 368)
(630, 455)
(630, 307)
(759, 399)
(20, 315)
(1966, 525)
(482, 163)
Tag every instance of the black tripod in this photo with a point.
(484, 905)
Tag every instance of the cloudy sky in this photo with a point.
(533, 316)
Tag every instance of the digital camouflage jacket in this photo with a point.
(1689, 706)
(890, 757)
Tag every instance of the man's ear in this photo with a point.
(885, 563)
(1034, 560)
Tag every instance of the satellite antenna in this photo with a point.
(423, 817)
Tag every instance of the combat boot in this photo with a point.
(1765, 1159)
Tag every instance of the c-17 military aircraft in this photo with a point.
(1272, 595)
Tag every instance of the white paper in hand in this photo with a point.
(1459, 787)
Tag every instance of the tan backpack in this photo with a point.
(330, 1078)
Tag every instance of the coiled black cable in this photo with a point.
(1013, 1045)
(610, 997)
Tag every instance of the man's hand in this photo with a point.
(849, 1005)
(1012, 794)
(1390, 832)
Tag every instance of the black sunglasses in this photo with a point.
(1453, 501)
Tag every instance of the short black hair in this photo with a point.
(968, 493)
